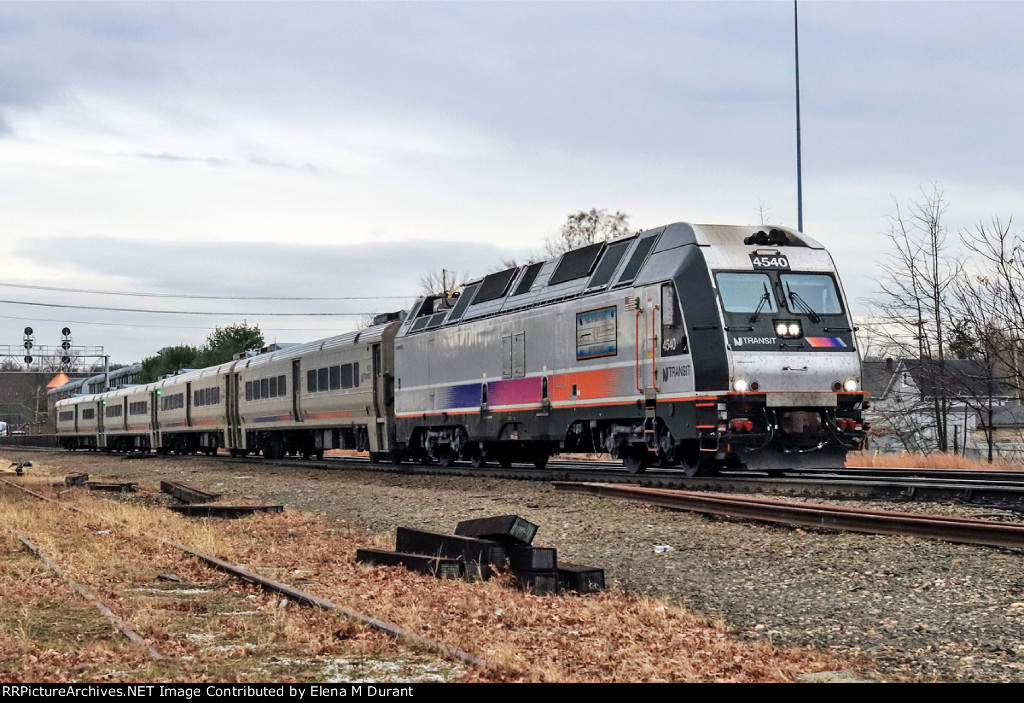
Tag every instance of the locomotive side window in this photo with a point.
(673, 333)
(746, 292)
(815, 290)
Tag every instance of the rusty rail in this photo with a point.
(317, 602)
(302, 597)
(949, 529)
(81, 590)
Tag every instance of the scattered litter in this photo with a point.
(282, 604)
(662, 548)
(169, 577)
(103, 532)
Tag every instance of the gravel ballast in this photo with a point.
(922, 609)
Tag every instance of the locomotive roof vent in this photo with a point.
(774, 236)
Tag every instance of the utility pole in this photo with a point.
(799, 177)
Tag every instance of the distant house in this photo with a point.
(906, 396)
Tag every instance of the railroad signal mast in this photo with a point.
(65, 357)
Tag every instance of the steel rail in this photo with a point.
(119, 624)
(315, 601)
(949, 529)
(300, 596)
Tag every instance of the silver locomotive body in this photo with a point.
(697, 346)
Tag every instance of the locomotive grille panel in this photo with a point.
(576, 264)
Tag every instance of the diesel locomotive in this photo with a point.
(697, 347)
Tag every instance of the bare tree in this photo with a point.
(442, 283)
(587, 227)
(912, 307)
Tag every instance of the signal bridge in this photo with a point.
(51, 358)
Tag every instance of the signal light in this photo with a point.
(28, 359)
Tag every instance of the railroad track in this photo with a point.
(990, 488)
(948, 529)
(239, 572)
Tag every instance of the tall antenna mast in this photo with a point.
(799, 176)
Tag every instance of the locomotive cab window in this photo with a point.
(746, 292)
(814, 291)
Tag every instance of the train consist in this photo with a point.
(691, 346)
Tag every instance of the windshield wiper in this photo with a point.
(764, 299)
(794, 297)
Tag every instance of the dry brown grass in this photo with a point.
(938, 460)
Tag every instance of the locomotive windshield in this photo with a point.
(746, 292)
(811, 293)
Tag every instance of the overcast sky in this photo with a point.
(343, 149)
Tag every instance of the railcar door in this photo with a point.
(297, 390)
(231, 398)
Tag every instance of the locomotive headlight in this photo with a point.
(851, 385)
(740, 385)
(788, 329)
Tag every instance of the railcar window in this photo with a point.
(746, 292)
(88, 414)
(335, 378)
(273, 386)
(248, 390)
(311, 381)
(265, 388)
(355, 374)
(346, 376)
(322, 382)
(113, 411)
(282, 387)
(67, 415)
(817, 289)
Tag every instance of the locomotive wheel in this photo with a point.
(445, 456)
(635, 460)
(540, 460)
(478, 458)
